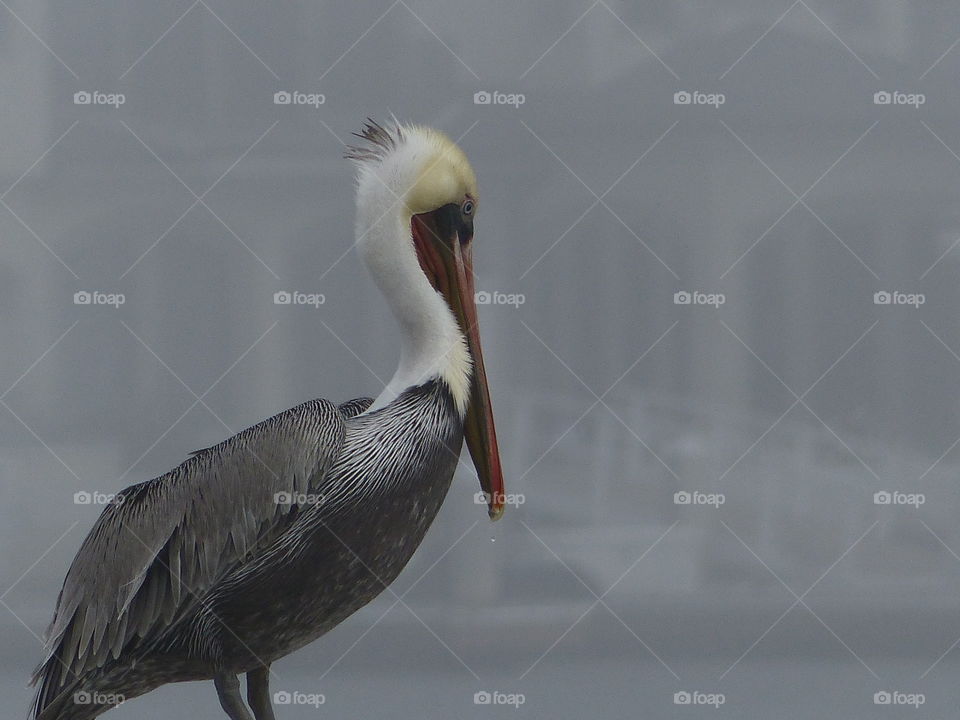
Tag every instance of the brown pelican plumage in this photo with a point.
(254, 547)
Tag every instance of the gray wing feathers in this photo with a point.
(165, 541)
(352, 408)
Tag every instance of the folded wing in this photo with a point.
(163, 543)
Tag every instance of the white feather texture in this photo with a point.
(410, 170)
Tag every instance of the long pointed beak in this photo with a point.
(448, 263)
(479, 430)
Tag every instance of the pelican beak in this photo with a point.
(444, 243)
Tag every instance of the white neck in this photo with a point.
(432, 345)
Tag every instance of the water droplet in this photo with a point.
(492, 539)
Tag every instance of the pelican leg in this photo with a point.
(258, 693)
(228, 690)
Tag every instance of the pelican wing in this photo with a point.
(352, 408)
(161, 544)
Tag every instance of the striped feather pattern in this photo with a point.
(253, 547)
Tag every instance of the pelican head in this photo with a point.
(416, 202)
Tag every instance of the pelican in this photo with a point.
(254, 547)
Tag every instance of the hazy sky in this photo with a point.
(719, 249)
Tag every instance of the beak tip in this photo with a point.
(495, 512)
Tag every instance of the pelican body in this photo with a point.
(253, 548)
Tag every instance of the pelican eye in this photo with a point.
(468, 207)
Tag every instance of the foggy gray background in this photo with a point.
(797, 399)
